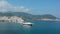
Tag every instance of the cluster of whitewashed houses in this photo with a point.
(11, 19)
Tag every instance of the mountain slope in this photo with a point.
(28, 16)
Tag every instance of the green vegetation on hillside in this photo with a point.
(28, 16)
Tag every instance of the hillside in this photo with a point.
(28, 16)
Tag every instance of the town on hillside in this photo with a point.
(11, 19)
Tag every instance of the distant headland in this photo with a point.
(26, 16)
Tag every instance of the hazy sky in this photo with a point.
(32, 6)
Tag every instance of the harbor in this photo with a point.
(15, 19)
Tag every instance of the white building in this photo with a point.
(11, 19)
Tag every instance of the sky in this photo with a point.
(36, 7)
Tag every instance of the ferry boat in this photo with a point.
(28, 23)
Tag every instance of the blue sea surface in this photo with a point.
(39, 27)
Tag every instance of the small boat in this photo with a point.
(28, 23)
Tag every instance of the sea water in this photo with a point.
(39, 27)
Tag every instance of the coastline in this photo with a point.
(50, 19)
